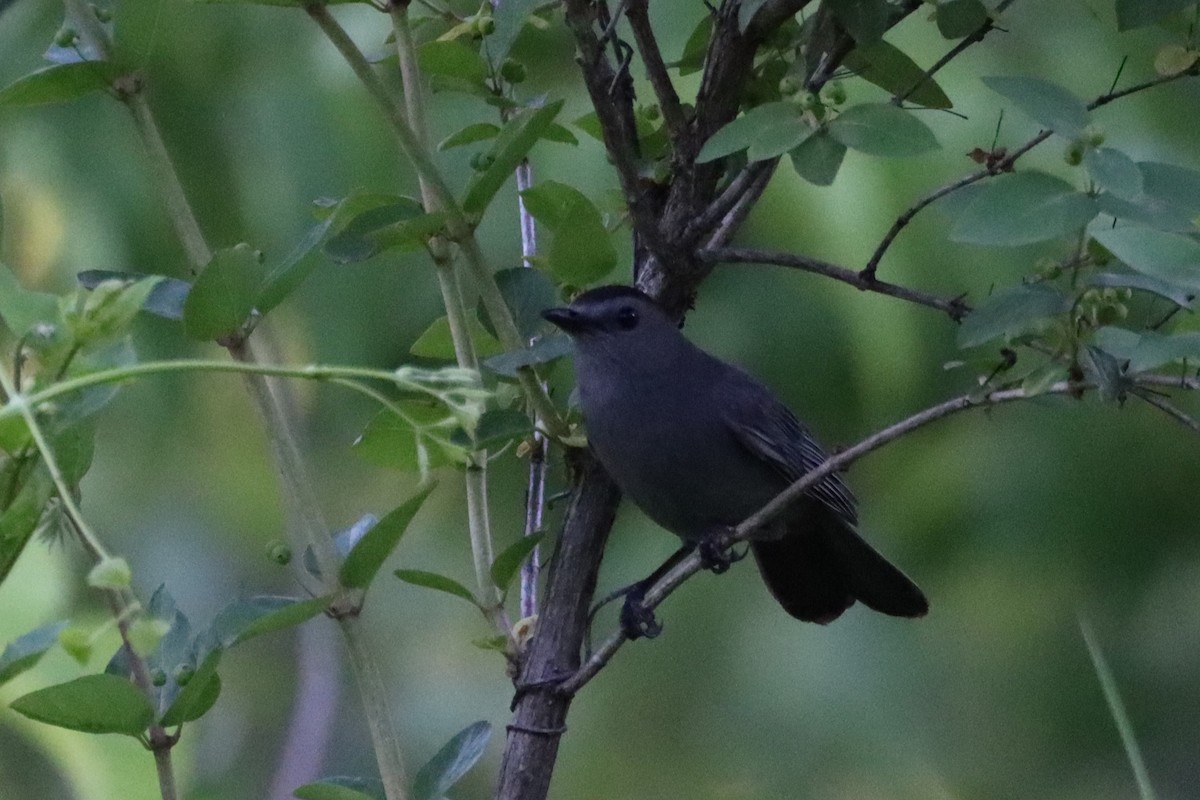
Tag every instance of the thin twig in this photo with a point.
(1002, 165)
(1171, 410)
(974, 38)
(734, 218)
(656, 70)
(742, 183)
(955, 308)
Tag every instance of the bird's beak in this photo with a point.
(568, 319)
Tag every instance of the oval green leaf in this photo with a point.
(223, 296)
(1022, 208)
(1044, 102)
(431, 580)
(882, 129)
(369, 553)
(59, 83)
(505, 567)
(91, 704)
(451, 762)
(1169, 257)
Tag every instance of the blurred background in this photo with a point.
(1015, 522)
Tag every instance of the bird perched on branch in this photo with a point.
(699, 446)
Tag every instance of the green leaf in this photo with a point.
(223, 296)
(1148, 350)
(519, 135)
(1177, 186)
(91, 704)
(1044, 102)
(580, 250)
(527, 292)
(392, 441)
(1143, 283)
(1113, 171)
(198, 696)
(476, 132)
(890, 69)
(506, 565)
(283, 278)
(768, 130)
(1145, 210)
(436, 341)
(1011, 312)
(818, 158)
(1022, 208)
(695, 48)
(245, 619)
(1139, 13)
(509, 17)
(1166, 256)
(450, 763)
(59, 83)
(33, 489)
(21, 308)
(368, 555)
(866, 20)
(24, 652)
(1104, 371)
(453, 59)
(959, 18)
(341, 788)
(431, 580)
(400, 222)
(882, 129)
(497, 427)
(110, 309)
(543, 351)
(165, 300)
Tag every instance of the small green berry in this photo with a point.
(833, 93)
(183, 673)
(652, 112)
(1093, 136)
(65, 37)
(513, 71)
(480, 162)
(790, 86)
(1074, 154)
(485, 25)
(158, 676)
(279, 552)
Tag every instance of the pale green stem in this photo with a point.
(458, 227)
(121, 600)
(377, 709)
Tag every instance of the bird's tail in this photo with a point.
(818, 573)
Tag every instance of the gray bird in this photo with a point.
(699, 445)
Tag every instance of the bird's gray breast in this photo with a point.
(668, 448)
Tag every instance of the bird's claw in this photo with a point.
(717, 555)
(638, 620)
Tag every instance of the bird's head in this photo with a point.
(618, 323)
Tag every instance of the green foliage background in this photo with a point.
(1015, 522)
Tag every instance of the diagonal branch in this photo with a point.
(690, 565)
(956, 307)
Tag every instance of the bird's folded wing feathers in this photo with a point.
(770, 431)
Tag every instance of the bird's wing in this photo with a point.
(771, 432)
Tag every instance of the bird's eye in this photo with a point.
(627, 318)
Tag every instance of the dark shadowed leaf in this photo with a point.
(223, 296)
(431, 580)
(527, 293)
(1044, 102)
(92, 704)
(450, 763)
(1022, 208)
(959, 18)
(1104, 371)
(506, 565)
(818, 158)
(24, 652)
(510, 18)
(886, 66)
(363, 236)
(694, 49)
(283, 278)
(1166, 256)
(866, 20)
(580, 250)
(544, 350)
(368, 555)
(19, 520)
(1010, 312)
(59, 83)
(520, 134)
(882, 129)
(1149, 350)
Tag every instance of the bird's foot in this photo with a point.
(717, 554)
(637, 619)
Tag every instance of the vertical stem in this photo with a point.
(377, 709)
(166, 773)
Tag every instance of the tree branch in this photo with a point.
(656, 70)
(955, 308)
(690, 565)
